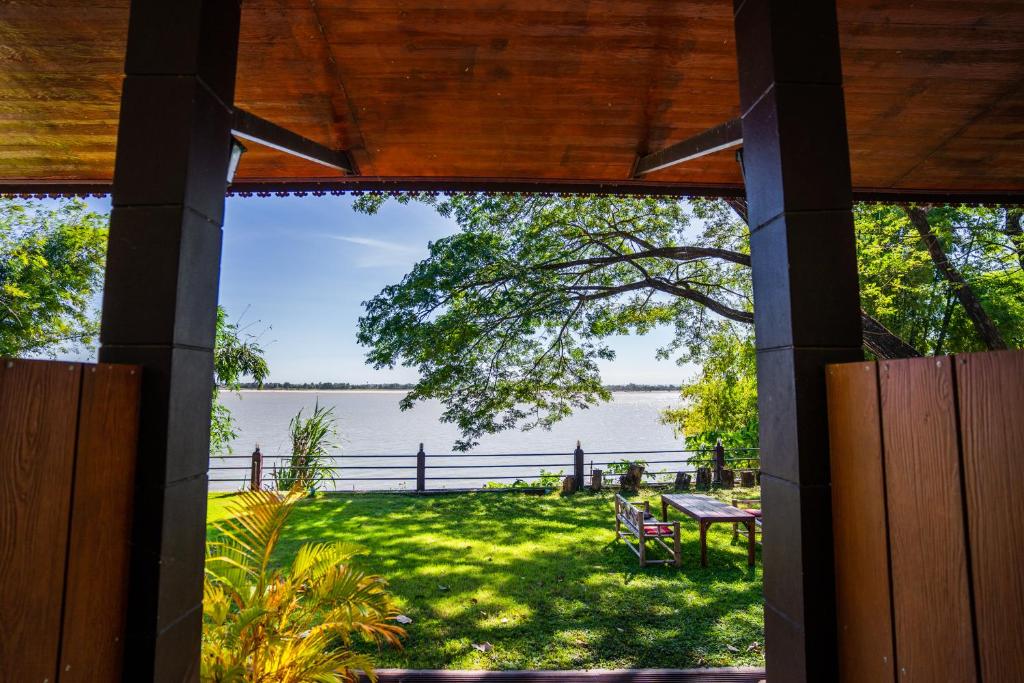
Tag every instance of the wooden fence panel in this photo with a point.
(39, 402)
(991, 401)
(863, 607)
(97, 577)
(931, 600)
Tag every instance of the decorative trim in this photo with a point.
(396, 187)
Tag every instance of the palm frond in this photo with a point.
(263, 624)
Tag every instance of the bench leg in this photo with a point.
(735, 530)
(677, 550)
(664, 510)
(643, 550)
(750, 543)
(703, 544)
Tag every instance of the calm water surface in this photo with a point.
(371, 424)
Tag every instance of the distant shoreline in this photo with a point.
(339, 387)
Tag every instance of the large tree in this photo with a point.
(51, 268)
(507, 320)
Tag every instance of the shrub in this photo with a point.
(262, 623)
(312, 439)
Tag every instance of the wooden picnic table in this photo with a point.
(707, 510)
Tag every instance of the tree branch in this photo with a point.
(983, 323)
(674, 253)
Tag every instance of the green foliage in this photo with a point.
(720, 404)
(264, 623)
(236, 354)
(622, 466)
(543, 579)
(547, 479)
(507, 320)
(51, 268)
(901, 287)
(312, 441)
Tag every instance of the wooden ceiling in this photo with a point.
(530, 89)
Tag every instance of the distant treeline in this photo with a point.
(342, 386)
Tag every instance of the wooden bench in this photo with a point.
(752, 506)
(707, 510)
(638, 522)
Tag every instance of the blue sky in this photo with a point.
(296, 269)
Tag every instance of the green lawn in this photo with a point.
(542, 579)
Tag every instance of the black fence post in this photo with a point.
(256, 470)
(577, 469)
(421, 470)
(719, 462)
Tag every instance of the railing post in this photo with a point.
(719, 461)
(421, 470)
(256, 470)
(578, 467)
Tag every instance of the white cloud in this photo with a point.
(379, 252)
(378, 244)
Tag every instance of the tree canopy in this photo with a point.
(945, 279)
(507, 319)
(51, 268)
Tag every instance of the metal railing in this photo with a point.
(359, 470)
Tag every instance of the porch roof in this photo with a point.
(490, 93)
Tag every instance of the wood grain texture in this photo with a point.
(39, 402)
(990, 388)
(863, 599)
(541, 89)
(931, 596)
(97, 575)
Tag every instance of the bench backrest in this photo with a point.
(629, 513)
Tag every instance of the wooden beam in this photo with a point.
(251, 127)
(723, 136)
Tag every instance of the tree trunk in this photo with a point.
(1014, 231)
(947, 316)
(879, 340)
(986, 329)
(703, 477)
(632, 479)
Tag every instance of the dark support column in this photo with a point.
(806, 305)
(159, 304)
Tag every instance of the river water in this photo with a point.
(370, 424)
